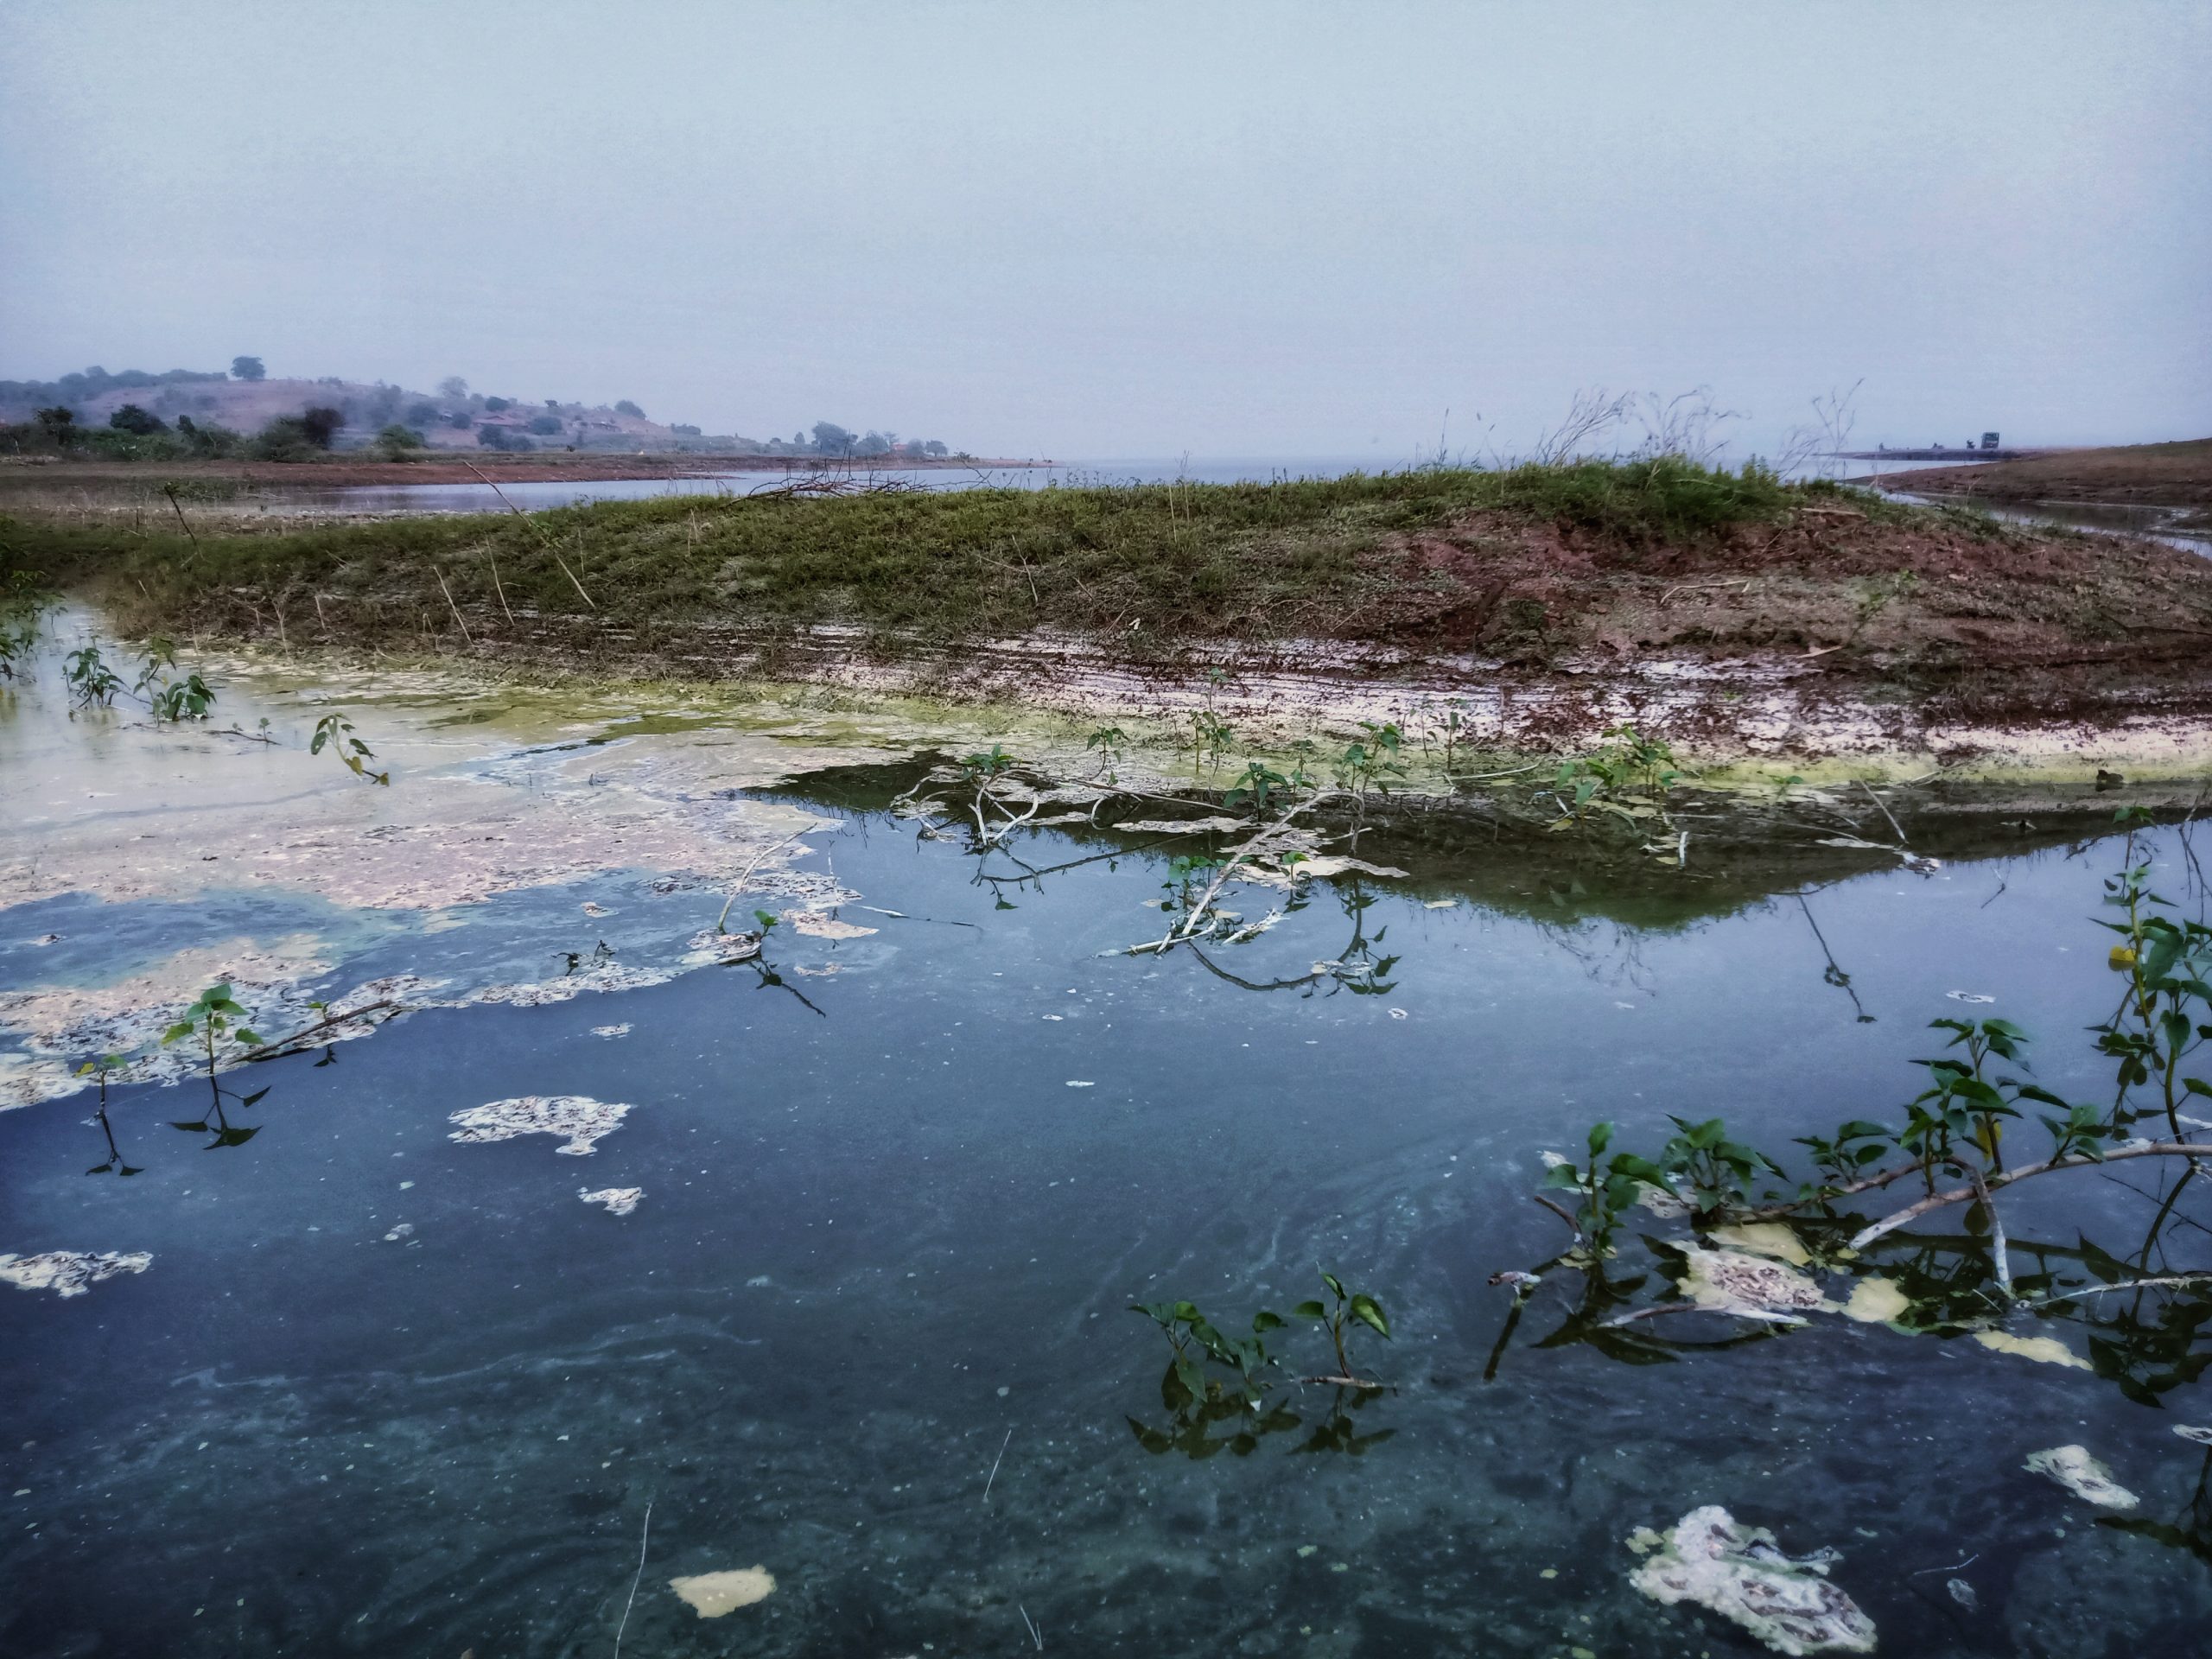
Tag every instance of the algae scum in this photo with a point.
(819, 1237)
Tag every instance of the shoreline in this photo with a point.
(344, 471)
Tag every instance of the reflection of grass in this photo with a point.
(1311, 557)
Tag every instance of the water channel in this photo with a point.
(385, 1385)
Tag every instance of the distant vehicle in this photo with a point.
(1989, 440)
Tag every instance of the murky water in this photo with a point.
(382, 1391)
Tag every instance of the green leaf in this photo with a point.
(176, 1033)
(1309, 1310)
(1264, 1320)
(1334, 1284)
(1601, 1136)
(1563, 1177)
(1191, 1376)
(1369, 1312)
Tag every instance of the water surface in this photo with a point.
(380, 1392)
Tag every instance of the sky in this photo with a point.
(1120, 231)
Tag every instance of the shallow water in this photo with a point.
(382, 1392)
(397, 500)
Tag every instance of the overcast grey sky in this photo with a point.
(1120, 230)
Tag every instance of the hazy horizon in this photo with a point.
(1132, 231)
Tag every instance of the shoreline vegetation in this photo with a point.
(1733, 613)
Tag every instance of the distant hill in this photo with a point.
(451, 418)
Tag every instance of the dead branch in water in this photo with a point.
(270, 1050)
(1978, 1187)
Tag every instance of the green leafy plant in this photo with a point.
(24, 602)
(1257, 785)
(1604, 1192)
(1367, 766)
(1702, 1163)
(1630, 778)
(92, 682)
(98, 1069)
(1452, 733)
(189, 698)
(1109, 741)
(337, 731)
(2165, 1010)
(215, 1023)
(1193, 1339)
(1350, 1309)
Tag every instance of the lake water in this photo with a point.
(406, 499)
(381, 1391)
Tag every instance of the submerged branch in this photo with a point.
(1935, 1201)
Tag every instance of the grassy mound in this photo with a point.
(1520, 565)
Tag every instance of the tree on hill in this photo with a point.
(248, 368)
(623, 406)
(831, 439)
(453, 386)
(131, 418)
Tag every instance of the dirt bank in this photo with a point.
(1733, 612)
(2146, 474)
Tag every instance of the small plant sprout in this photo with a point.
(1110, 741)
(1452, 733)
(189, 698)
(1211, 736)
(1194, 1340)
(1368, 765)
(159, 657)
(1350, 1308)
(1628, 778)
(338, 731)
(171, 700)
(1605, 1193)
(1255, 787)
(98, 1069)
(213, 1021)
(92, 683)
